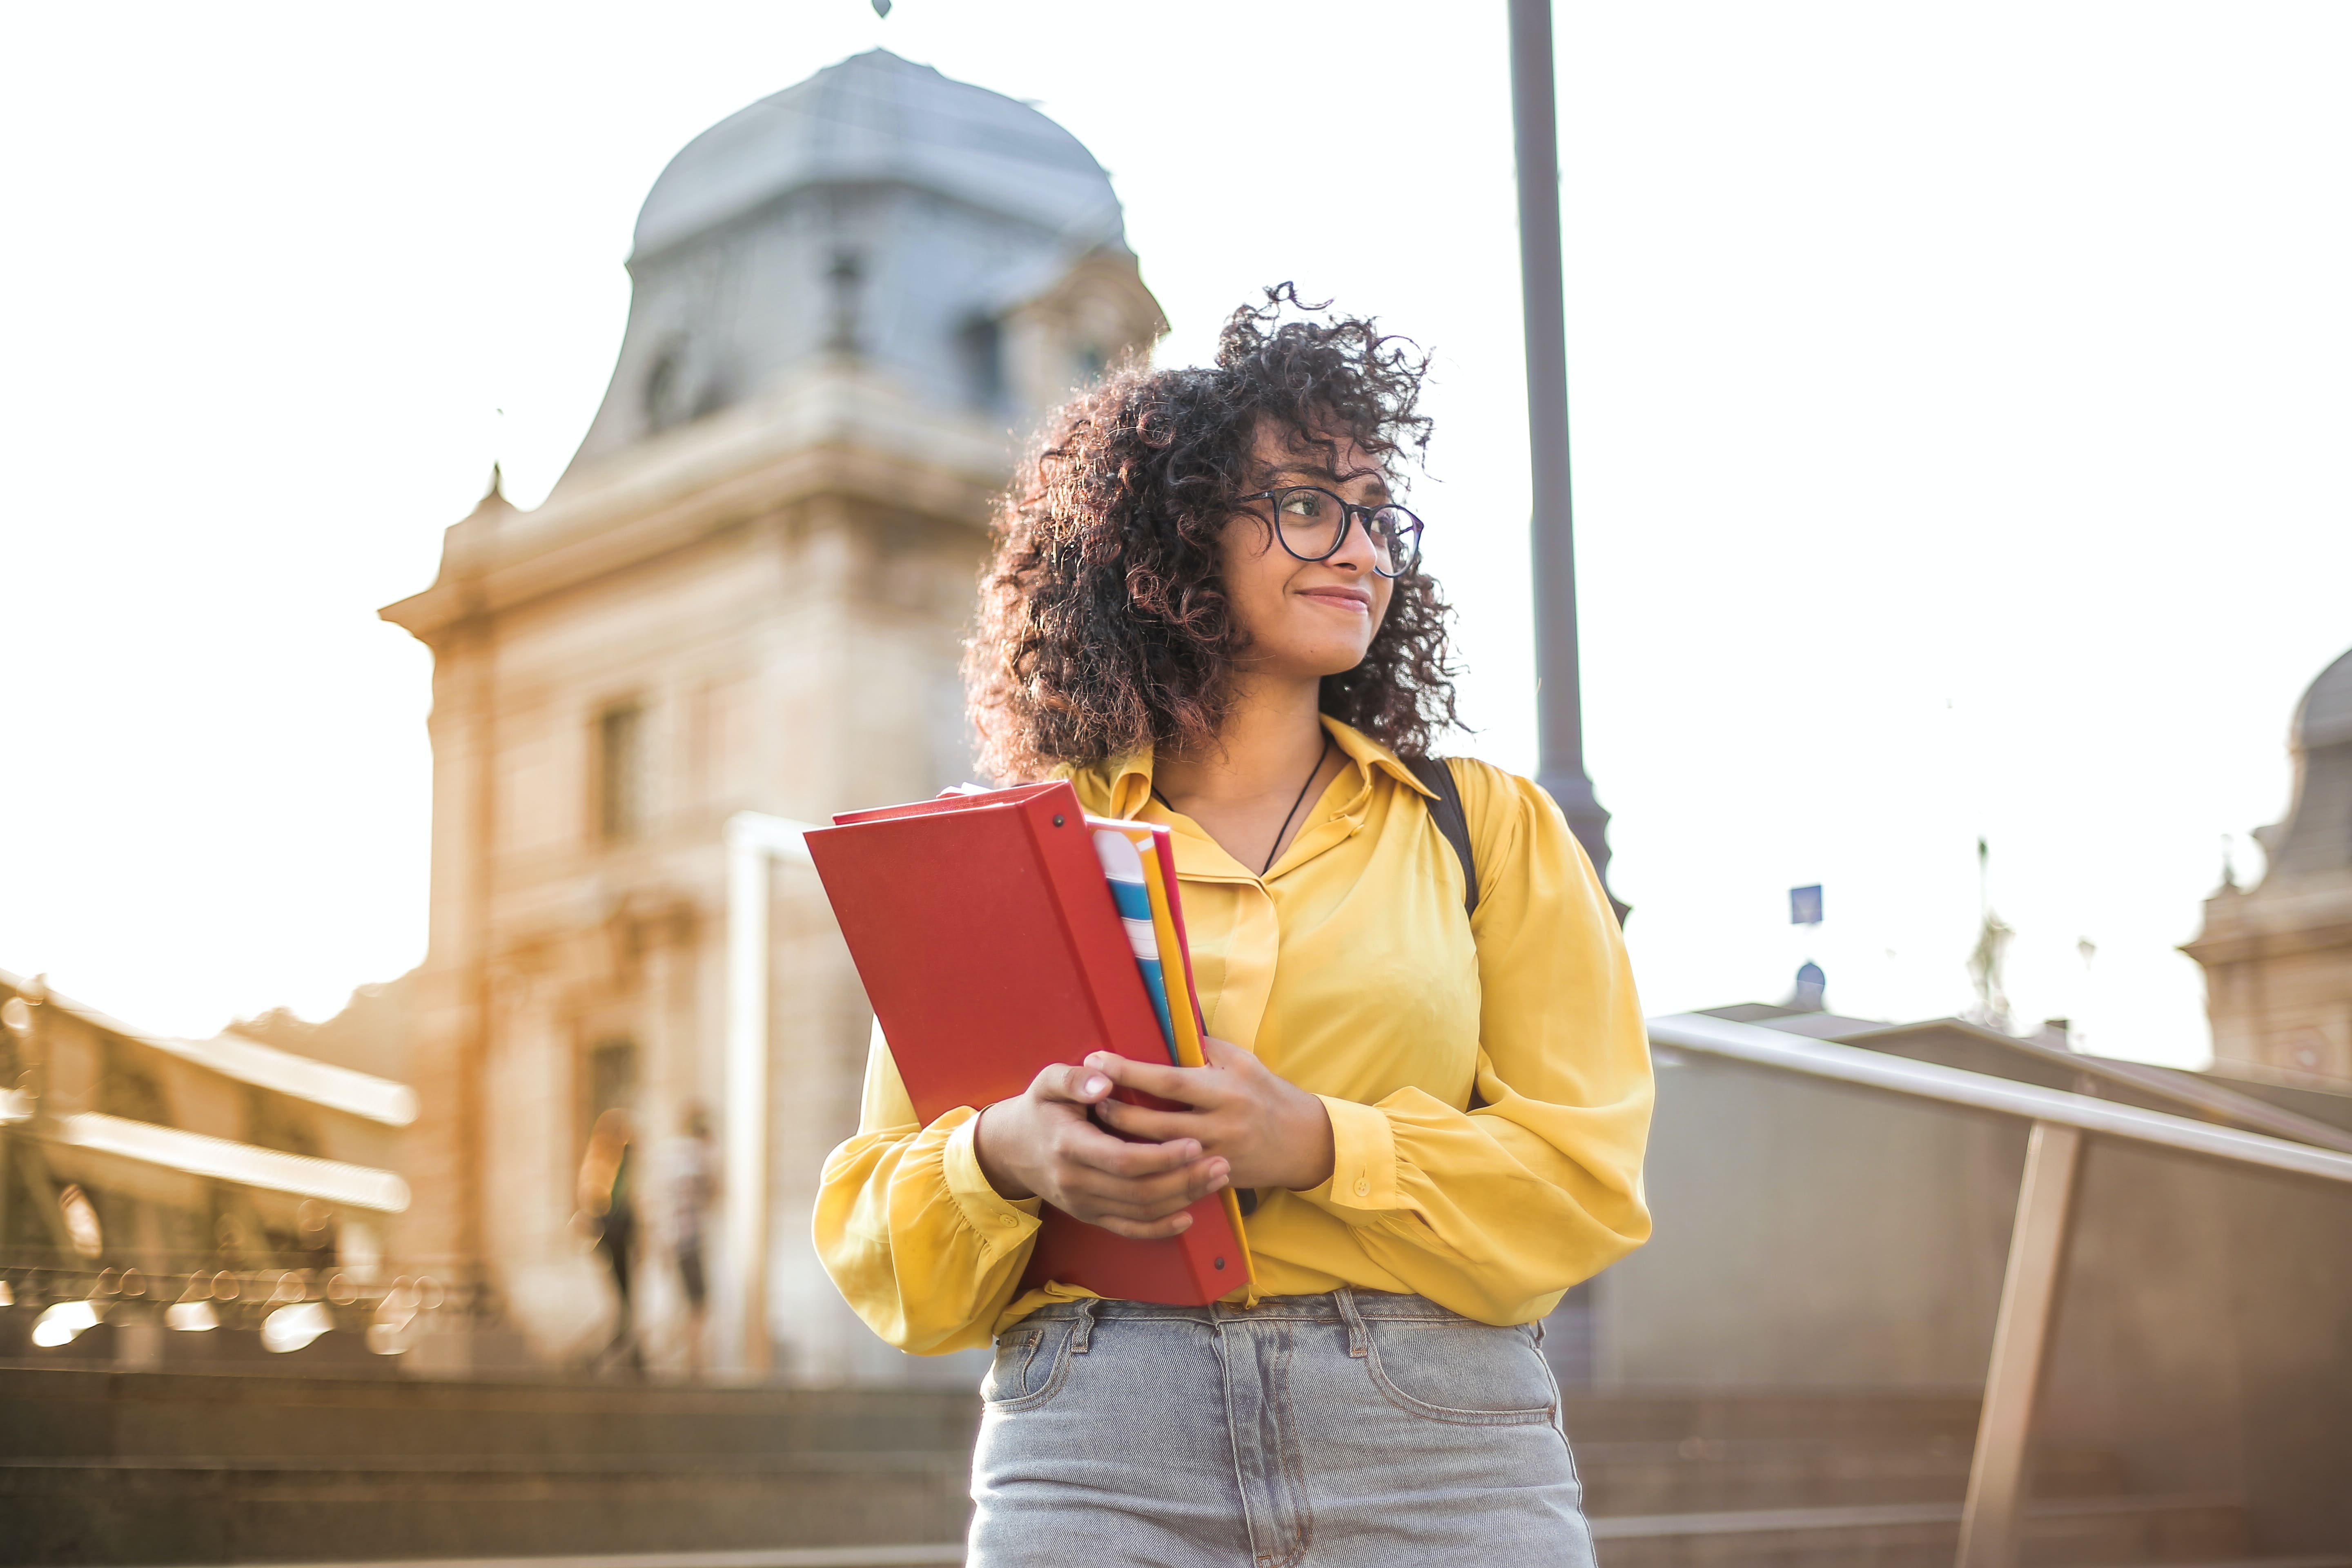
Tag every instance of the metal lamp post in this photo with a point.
(1559, 705)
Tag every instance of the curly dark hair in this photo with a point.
(1104, 625)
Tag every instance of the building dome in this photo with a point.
(937, 236)
(2315, 839)
(2323, 717)
(877, 119)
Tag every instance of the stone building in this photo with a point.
(747, 592)
(151, 1183)
(2278, 956)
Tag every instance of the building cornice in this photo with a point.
(249, 1061)
(2280, 918)
(833, 430)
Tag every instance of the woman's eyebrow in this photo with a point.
(1330, 476)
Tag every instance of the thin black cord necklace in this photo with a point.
(1287, 816)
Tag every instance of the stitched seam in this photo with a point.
(1054, 1381)
(1294, 1463)
(1225, 1349)
(1452, 1417)
(1558, 1422)
(1023, 1341)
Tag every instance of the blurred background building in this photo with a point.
(2278, 956)
(748, 591)
(226, 1188)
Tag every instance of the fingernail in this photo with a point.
(1097, 1085)
(1183, 1223)
(1218, 1184)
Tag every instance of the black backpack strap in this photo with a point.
(1452, 821)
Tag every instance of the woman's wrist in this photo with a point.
(989, 1152)
(1310, 1134)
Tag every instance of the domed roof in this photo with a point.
(2323, 717)
(876, 117)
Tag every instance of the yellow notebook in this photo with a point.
(1185, 1010)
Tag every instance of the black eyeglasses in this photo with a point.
(1312, 523)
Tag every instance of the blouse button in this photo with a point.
(1363, 1187)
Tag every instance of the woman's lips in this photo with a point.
(1355, 599)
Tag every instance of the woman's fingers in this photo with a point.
(1149, 1196)
(1137, 1204)
(1225, 1053)
(1159, 1126)
(1070, 1084)
(1176, 1224)
(1186, 1086)
(1084, 1145)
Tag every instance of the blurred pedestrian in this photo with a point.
(610, 1206)
(686, 1186)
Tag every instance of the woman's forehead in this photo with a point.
(1329, 457)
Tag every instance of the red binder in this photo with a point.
(990, 947)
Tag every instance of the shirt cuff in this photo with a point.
(1363, 1160)
(1002, 1224)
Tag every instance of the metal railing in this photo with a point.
(2022, 1330)
(1876, 1069)
(194, 1293)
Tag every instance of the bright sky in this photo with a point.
(1958, 392)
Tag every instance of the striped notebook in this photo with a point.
(1138, 860)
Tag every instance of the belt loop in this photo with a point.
(1083, 1335)
(1360, 1338)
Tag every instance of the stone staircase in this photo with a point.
(1714, 1480)
(105, 1467)
(100, 1467)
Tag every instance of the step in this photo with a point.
(1704, 1474)
(2080, 1532)
(2124, 1532)
(1707, 1475)
(1670, 1414)
(221, 1512)
(106, 1414)
(1893, 1535)
(950, 1554)
(936, 1556)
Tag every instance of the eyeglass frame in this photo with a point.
(1349, 514)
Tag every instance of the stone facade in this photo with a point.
(2278, 957)
(748, 593)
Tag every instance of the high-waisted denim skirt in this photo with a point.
(1352, 1430)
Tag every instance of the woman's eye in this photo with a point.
(1302, 504)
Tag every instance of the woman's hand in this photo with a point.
(1269, 1132)
(1041, 1144)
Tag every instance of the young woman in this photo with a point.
(1206, 609)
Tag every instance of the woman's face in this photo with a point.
(1305, 620)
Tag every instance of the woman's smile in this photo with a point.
(1349, 601)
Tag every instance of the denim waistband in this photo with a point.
(1326, 1308)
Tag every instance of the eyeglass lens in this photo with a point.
(1313, 523)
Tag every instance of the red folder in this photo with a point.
(990, 947)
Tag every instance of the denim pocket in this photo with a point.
(1459, 1372)
(1031, 1360)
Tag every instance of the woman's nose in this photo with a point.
(1356, 547)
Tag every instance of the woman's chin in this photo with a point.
(1331, 661)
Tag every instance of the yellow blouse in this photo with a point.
(1488, 1081)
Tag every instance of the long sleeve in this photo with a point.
(1498, 1208)
(916, 1240)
